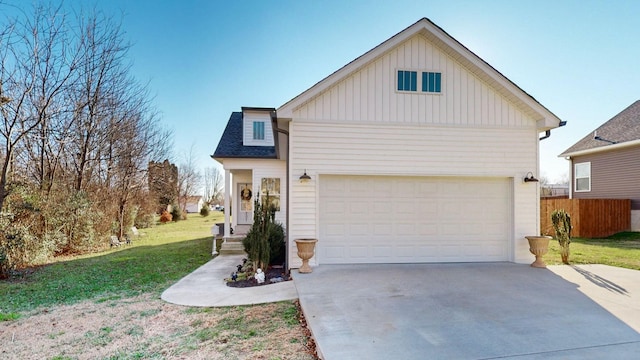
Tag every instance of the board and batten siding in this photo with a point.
(361, 125)
(366, 149)
(370, 93)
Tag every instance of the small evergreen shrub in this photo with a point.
(204, 212)
(176, 213)
(264, 242)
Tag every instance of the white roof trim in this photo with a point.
(602, 149)
(545, 119)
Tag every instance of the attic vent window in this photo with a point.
(258, 130)
(407, 80)
(432, 82)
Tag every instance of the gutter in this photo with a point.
(548, 132)
(274, 119)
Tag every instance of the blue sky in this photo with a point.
(204, 59)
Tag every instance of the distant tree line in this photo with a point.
(77, 132)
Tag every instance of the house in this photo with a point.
(193, 204)
(416, 151)
(606, 162)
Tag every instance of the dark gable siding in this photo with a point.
(614, 175)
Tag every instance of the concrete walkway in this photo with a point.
(205, 287)
(472, 311)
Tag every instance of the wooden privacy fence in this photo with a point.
(590, 218)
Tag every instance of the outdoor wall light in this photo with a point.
(304, 177)
(529, 177)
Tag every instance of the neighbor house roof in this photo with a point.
(230, 145)
(545, 119)
(621, 130)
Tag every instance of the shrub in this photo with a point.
(276, 244)
(18, 247)
(204, 212)
(165, 217)
(264, 242)
(176, 213)
(562, 225)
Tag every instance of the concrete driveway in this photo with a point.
(466, 311)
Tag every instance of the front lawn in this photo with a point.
(156, 259)
(107, 306)
(622, 250)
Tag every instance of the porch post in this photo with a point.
(227, 203)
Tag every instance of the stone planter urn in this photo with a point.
(538, 245)
(306, 248)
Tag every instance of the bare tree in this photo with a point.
(213, 185)
(35, 70)
(102, 83)
(189, 178)
(74, 120)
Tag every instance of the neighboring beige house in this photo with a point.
(414, 152)
(605, 164)
(194, 204)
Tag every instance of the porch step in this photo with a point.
(232, 247)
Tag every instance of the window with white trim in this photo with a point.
(407, 80)
(582, 175)
(258, 130)
(429, 82)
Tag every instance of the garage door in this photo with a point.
(384, 219)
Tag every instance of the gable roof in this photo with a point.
(193, 198)
(621, 130)
(545, 119)
(231, 146)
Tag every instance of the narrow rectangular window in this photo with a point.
(432, 82)
(407, 80)
(258, 130)
(583, 176)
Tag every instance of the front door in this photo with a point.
(245, 199)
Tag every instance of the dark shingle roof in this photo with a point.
(230, 145)
(621, 128)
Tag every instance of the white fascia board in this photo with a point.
(601, 149)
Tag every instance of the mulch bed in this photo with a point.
(270, 273)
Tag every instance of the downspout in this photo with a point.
(546, 135)
(274, 119)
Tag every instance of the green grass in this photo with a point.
(152, 263)
(622, 250)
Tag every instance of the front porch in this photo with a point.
(232, 245)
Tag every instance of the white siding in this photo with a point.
(361, 125)
(247, 119)
(370, 94)
(454, 151)
(258, 169)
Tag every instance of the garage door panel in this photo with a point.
(383, 229)
(381, 251)
(413, 219)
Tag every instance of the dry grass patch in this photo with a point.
(145, 327)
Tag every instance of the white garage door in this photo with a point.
(384, 219)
